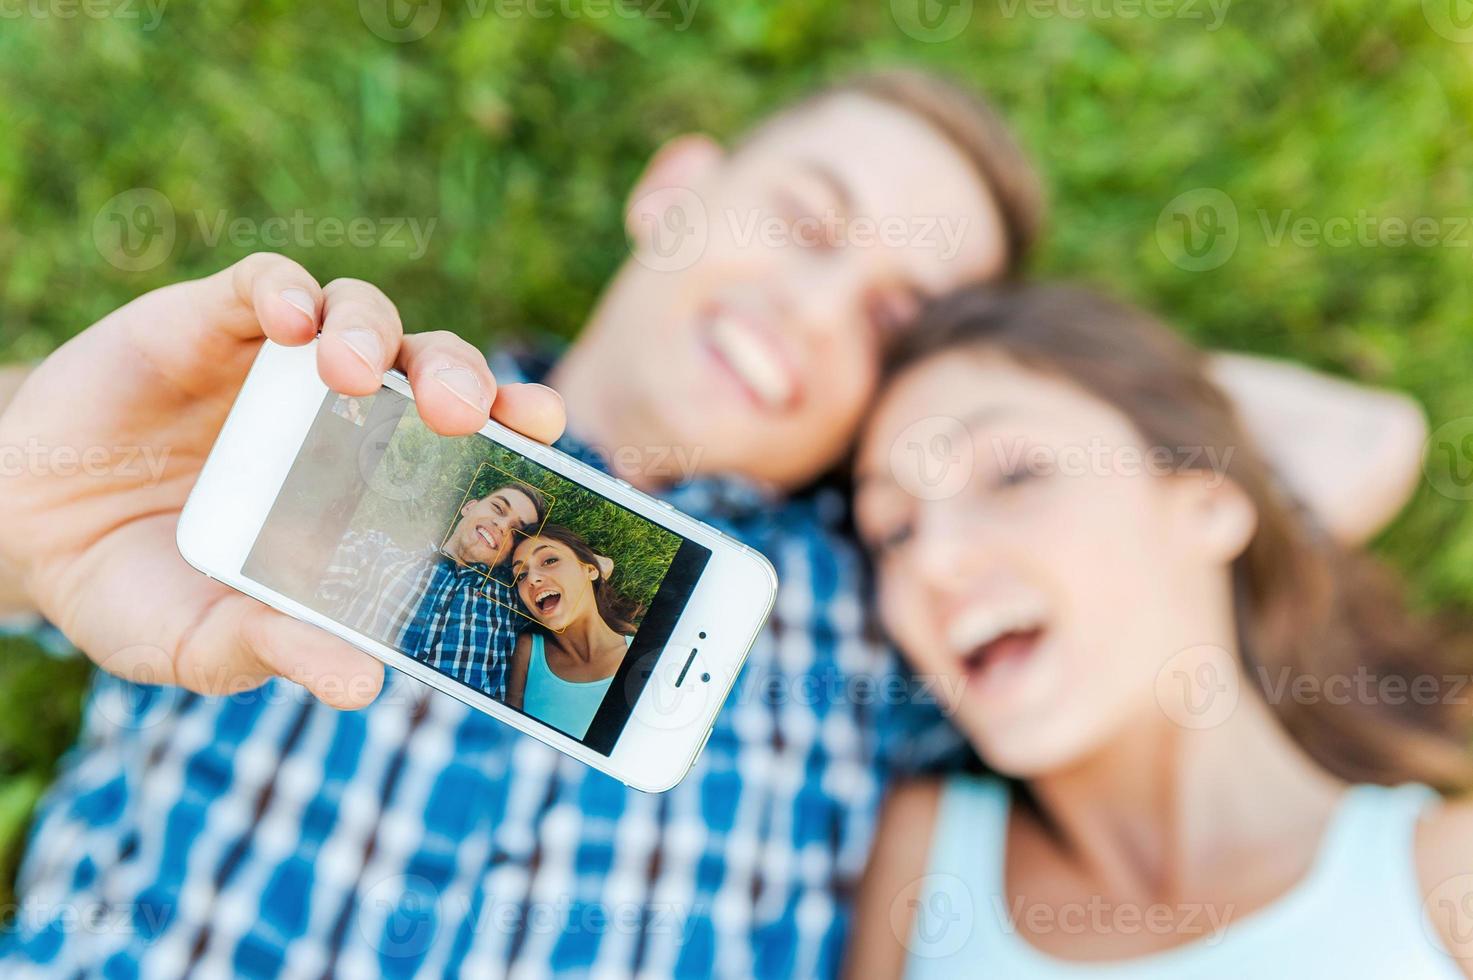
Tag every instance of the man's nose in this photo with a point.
(821, 302)
(831, 295)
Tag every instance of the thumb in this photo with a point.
(335, 672)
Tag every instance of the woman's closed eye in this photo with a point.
(896, 536)
(892, 539)
(1008, 479)
(1017, 462)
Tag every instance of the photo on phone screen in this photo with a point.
(499, 573)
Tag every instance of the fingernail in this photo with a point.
(463, 384)
(302, 300)
(366, 345)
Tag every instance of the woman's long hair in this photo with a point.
(1305, 608)
(617, 610)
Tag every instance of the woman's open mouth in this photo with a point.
(547, 600)
(1006, 651)
(996, 646)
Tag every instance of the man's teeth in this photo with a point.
(753, 360)
(486, 537)
(978, 627)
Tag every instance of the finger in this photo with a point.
(361, 333)
(238, 644)
(286, 299)
(334, 671)
(453, 387)
(536, 411)
(262, 295)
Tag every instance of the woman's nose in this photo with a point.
(946, 545)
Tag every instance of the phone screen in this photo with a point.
(471, 558)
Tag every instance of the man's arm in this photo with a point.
(1351, 454)
(13, 599)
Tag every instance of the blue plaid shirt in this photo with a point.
(457, 618)
(264, 834)
(465, 627)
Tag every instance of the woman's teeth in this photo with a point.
(1000, 653)
(1011, 648)
(973, 630)
(753, 360)
(546, 599)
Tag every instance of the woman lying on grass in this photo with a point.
(1211, 744)
(562, 666)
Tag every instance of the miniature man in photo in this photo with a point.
(441, 604)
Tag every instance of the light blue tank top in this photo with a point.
(566, 705)
(1358, 913)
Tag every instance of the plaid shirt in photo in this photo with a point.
(421, 602)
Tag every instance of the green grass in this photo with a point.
(519, 138)
(40, 701)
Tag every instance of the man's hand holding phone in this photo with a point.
(111, 432)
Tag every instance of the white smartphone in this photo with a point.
(532, 587)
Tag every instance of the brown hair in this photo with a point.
(538, 498)
(1304, 607)
(617, 610)
(974, 127)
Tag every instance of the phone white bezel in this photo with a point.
(668, 727)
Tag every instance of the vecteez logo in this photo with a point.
(932, 21)
(1198, 230)
(1452, 19)
(400, 21)
(135, 230)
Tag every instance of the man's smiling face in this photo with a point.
(814, 242)
(484, 535)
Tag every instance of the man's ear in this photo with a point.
(684, 162)
(465, 509)
(1218, 516)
